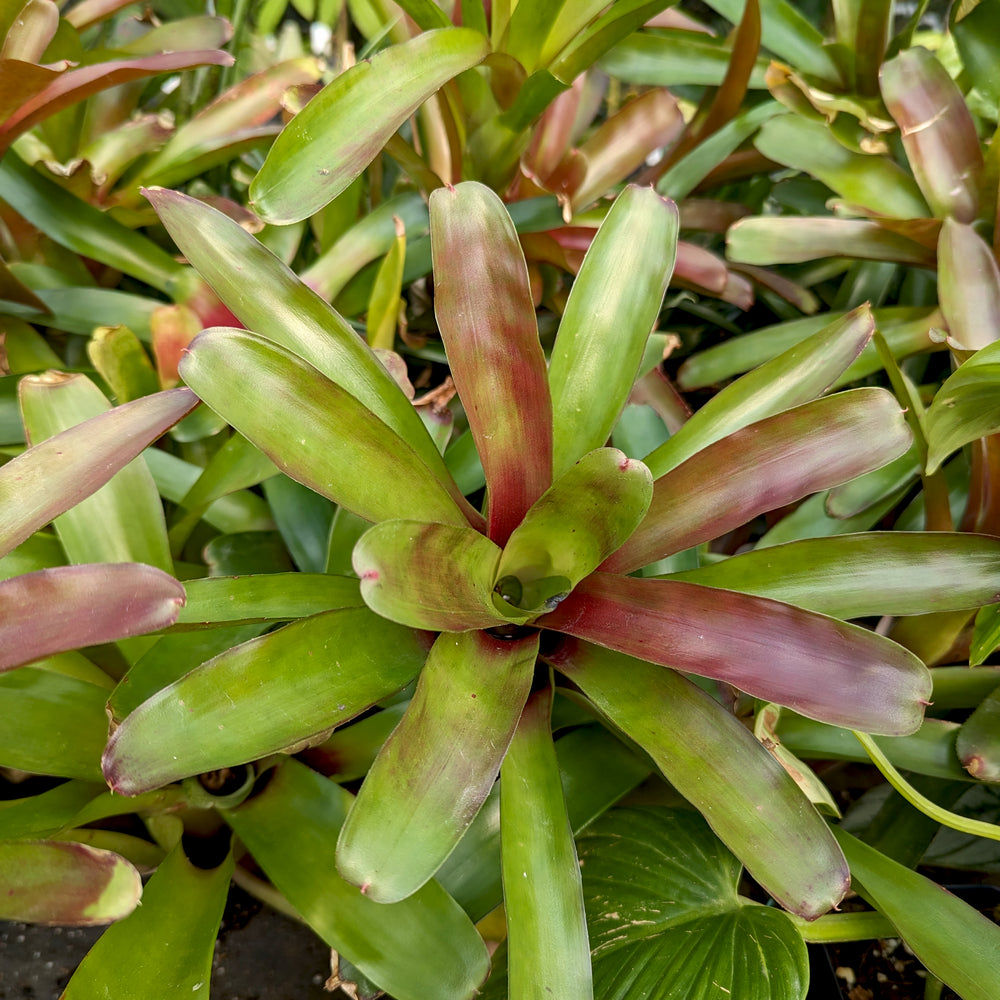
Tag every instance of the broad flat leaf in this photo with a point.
(978, 741)
(355, 115)
(304, 519)
(966, 407)
(484, 309)
(240, 600)
(873, 182)
(123, 521)
(750, 801)
(261, 697)
(820, 667)
(54, 610)
(794, 239)
(543, 895)
(937, 130)
(955, 942)
(58, 473)
(436, 769)
(313, 430)
(421, 947)
(612, 308)
(968, 286)
(73, 85)
(587, 514)
(54, 882)
(795, 376)
(432, 576)
(153, 952)
(874, 573)
(52, 724)
(764, 466)
(858, 495)
(666, 920)
(266, 296)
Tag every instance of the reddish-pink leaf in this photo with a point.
(55, 610)
(487, 320)
(74, 85)
(771, 463)
(821, 667)
(56, 474)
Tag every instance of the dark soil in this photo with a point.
(260, 955)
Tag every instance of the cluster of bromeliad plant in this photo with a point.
(511, 601)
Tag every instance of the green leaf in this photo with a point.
(955, 942)
(771, 650)
(586, 515)
(972, 28)
(354, 116)
(45, 812)
(123, 521)
(152, 952)
(435, 771)
(118, 356)
(170, 658)
(968, 286)
(715, 763)
(384, 304)
(906, 329)
(484, 309)
(930, 750)
(612, 308)
(676, 58)
(543, 895)
(420, 947)
(789, 35)
(937, 131)
(865, 180)
(666, 919)
(266, 296)
(764, 466)
(54, 882)
(874, 573)
(75, 224)
(986, 636)
(261, 697)
(53, 476)
(52, 724)
(55, 610)
(800, 373)
(313, 430)
(241, 600)
(764, 239)
(432, 576)
(596, 769)
(966, 407)
(978, 741)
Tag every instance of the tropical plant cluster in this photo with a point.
(514, 486)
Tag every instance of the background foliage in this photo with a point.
(513, 473)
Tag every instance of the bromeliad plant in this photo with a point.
(479, 608)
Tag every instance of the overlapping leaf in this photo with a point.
(819, 666)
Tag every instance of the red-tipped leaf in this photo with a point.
(487, 320)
